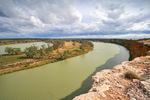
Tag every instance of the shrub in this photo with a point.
(26, 65)
(17, 51)
(31, 51)
(129, 87)
(76, 50)
(74, 44)
(13, 51)
(131, 75)
(82, 48)
(9, 50)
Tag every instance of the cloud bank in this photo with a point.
(74, 18)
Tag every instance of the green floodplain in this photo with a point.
(64, 79)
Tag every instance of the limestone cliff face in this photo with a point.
(111, 84)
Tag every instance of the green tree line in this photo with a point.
(13, 51)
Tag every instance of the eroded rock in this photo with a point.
(111, 84)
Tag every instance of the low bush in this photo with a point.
(129, 87)
(131, 75)
(26, 65)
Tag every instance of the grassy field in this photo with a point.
(10, 59)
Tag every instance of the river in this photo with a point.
(64, 79)
(22, 46)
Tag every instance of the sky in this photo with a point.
(74, 18)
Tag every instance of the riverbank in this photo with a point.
(113, 84)
(18, 41)
(56, 81)
(12, 63)
(136, 47)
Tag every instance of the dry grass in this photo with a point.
(68, 46)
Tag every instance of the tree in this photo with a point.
(68, 51)
(13, 51)
(42, 52)
(91, 44)
(31, 51)
(43, 46)
(49, 48)
(57, 51)
(82, 48)
(17, 51)
(9, 50)
(37, 56)
(74, 44)
(63, 55)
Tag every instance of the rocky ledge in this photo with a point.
(111, 84)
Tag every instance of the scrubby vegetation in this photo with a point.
(131, 75)
(13, 51)
(36, 56)
(17, 41)
(6, 60)
(31, 52)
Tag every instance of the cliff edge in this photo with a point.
(112, 84)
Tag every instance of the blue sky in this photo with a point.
(74, 19)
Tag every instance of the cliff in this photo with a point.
(136, 47)
(113, 84)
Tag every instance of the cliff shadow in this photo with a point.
(87, 83)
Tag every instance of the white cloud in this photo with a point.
(36, 21)
(74, 17)
(140, 26)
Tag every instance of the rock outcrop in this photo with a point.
(111, 84)
(139, 90)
